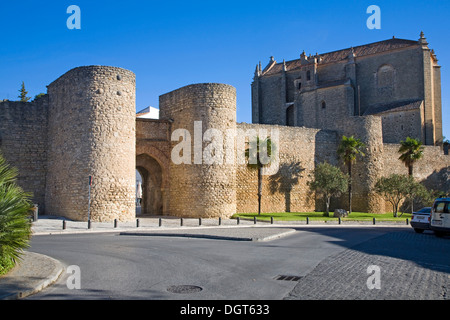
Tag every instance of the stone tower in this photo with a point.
(91, 132)
(204, 183)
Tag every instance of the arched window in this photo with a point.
(385, 76)
(324, 105)
(299, 86)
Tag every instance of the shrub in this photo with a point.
(15, 225)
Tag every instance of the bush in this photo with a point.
(15, 225)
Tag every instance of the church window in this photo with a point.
(385, 76)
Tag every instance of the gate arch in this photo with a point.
(153, 193)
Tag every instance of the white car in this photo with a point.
(440, 216)
(420, 220)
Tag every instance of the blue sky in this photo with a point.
(170, 44)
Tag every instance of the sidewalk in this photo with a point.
(37, 271)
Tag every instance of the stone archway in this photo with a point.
(152, 185)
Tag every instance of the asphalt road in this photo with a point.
(114, 266)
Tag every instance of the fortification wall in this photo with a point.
(91, 132)
(368, 169)
(433, 170)
(401, 124)
(23, 143)
(197, 188)
(300, 149)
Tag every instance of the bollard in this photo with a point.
(181, 222)
(137, 223)
(339, 219)
(254, 220)
(238, 220)
(271, 220)
(374, 220)
(115, 223)
(89, 224)
(199, 221)
(407, 221)
(220, 221)
(307, 220)
(160, 222)
(64, 224)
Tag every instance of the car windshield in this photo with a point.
(441, 207)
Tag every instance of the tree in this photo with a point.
(23, 93)
(330, 181)
(259, 154)
(394, 189)
(411, 151)
(39, 95)
(348, 150)
(15, 226)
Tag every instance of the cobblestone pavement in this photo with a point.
(412, 267)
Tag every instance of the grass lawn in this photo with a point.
(319, 216)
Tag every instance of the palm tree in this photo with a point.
(411, 150)
(348, 150)
(259, 155)
(15, 226)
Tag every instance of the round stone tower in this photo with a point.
(91, 133)
(203, 162)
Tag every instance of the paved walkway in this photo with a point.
(410, 267)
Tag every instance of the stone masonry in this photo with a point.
(190, 159)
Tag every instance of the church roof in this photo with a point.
(393, 107)
(335, 56)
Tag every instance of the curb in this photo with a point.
(207, 236)
(32, 287)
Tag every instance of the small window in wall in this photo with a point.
(324, 105)
(299, 86)
(308, 75)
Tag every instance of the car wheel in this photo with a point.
(418, 230)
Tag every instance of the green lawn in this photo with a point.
(319, 216)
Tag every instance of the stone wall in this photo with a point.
(433, 170)
(197, 188)
(91, 131)
(153, 163)
(405, 83)
(398, 125)
(23, 143)
(325, 107)
(300, 149)
(368, 169)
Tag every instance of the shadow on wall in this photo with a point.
(285, 179)
(326, 150)
(439, 178)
